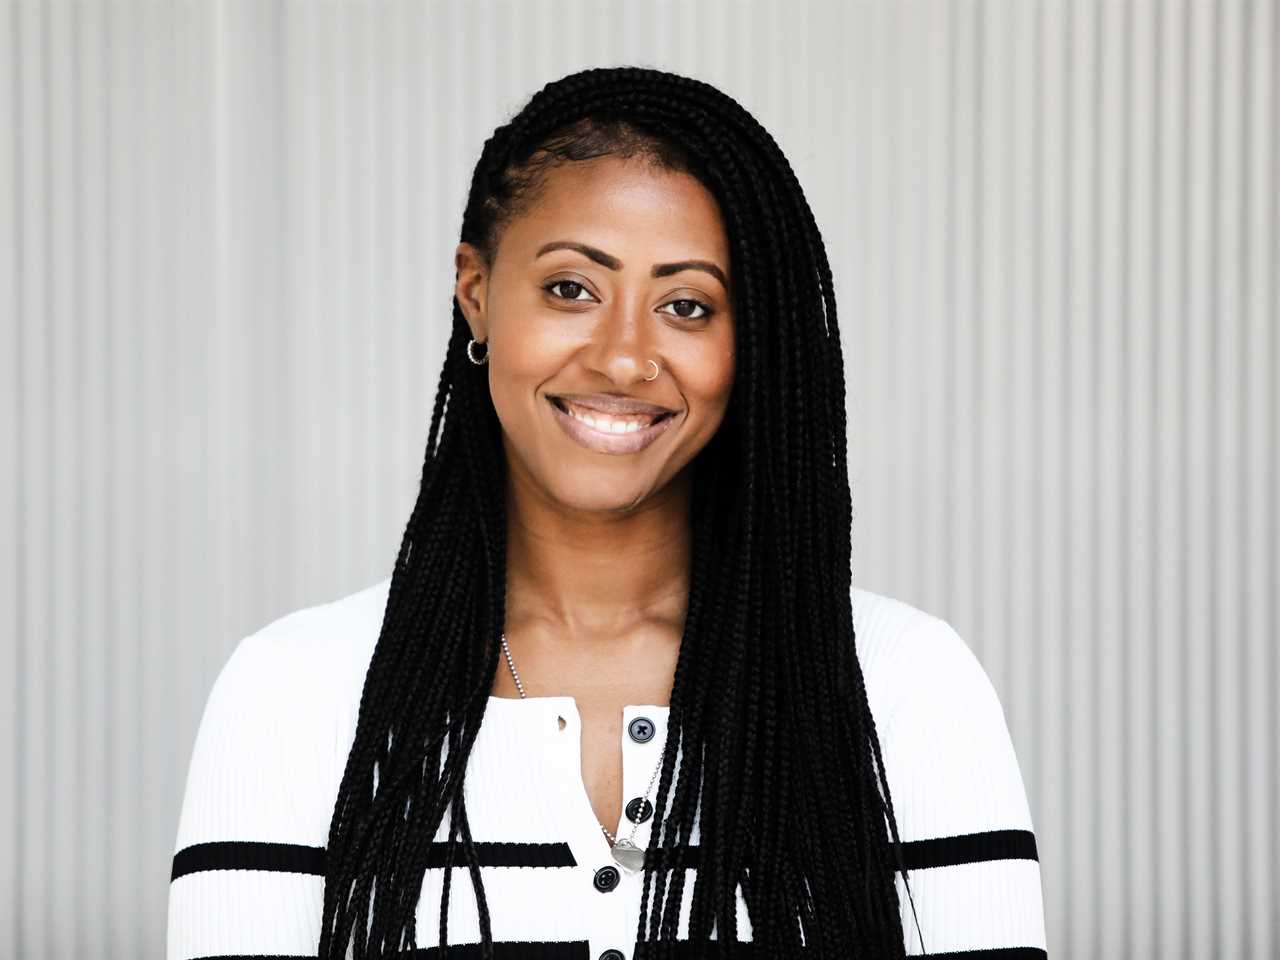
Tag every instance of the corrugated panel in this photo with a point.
(227, 238)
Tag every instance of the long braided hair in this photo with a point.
(779, 754)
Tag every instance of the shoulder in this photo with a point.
(909, 655)
(318, 642)
(883, 624)
(941, 724)
(306, 667)
(278, 721)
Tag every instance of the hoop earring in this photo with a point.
(472, 357)
(656, 370)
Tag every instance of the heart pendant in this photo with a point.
(628, 856)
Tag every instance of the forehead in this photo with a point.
(621, 204)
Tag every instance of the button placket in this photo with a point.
(641, 745)
(616, 902)
(644, 730)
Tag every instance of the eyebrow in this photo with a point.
(613, 263)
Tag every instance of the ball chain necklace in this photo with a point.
(625, 852)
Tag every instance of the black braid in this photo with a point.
(779, 756)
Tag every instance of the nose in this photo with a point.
(623, 341)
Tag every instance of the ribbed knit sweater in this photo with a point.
(272, 744)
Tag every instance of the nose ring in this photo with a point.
(656, 371)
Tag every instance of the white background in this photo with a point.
(225, 265)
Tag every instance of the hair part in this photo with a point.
(519, 185)
(780, 762)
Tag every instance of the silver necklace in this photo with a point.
(625, 852)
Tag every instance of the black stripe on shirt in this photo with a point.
(918, 854)
(502, 950)
(687, 950)
(246, 855)
(970, 848)
(295, 858)
(581, 950)
(510, 950)
(497, 854)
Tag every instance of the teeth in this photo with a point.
(603, 422)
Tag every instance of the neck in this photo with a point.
(588, 574)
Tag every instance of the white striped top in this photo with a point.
(248, 866)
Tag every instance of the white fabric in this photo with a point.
(280, 718)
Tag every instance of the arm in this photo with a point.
(960, 804)
(248, 866)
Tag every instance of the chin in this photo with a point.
(597, 495)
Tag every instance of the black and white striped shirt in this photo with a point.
(248, 866)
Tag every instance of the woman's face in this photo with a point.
(616, 264)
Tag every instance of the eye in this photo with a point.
(572, 286)
(686, 305)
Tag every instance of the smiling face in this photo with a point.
(616, 264)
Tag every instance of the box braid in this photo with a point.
(780, 758)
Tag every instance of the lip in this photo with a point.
(609, 403)
(602, 442)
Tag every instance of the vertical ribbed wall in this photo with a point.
(226, 233)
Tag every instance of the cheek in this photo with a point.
(707, 374)
(527, 350)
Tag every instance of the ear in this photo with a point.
(470, 287)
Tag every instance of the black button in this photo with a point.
(641, 729)
(639, 810)
(612, 954)
(606, 879)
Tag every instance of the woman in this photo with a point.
(618, 697)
